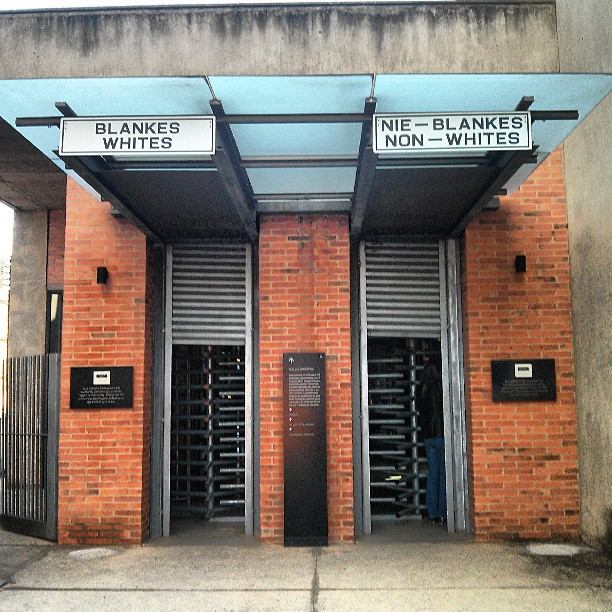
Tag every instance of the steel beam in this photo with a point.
(235, 178)
(513, 163)
(92, 177)
(366, 170)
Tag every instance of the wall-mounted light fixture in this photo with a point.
(101, 275)
(520, 263)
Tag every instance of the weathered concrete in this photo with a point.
(377, 573)
(419, 38)
(29, 180)
(28, 297)
(585, 45)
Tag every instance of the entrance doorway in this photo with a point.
(409, 315)
(208, 423)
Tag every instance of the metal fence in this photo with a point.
(28, 444)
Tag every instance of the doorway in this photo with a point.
(409, 312)
(208, 416)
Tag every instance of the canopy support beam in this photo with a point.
(233, 175)
(366, 170)
(509, 162)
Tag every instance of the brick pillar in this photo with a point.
(523, 455)
(104, 453)
(304, 297)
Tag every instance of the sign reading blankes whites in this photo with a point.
(137, 136)
(448, 132)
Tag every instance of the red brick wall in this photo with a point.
(523, 455)
(304, 296)
(104, 454)
(55, 248)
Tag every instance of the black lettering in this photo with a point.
(504, 123)
(437, 124)
(154, 142)
(501, 139)
(136, 128)
(390, 140)
(454, 139)
(125, 128)
(150, 127)
(448, 124)
(491, 123)
(385, 125)
(175, 127)
(162, 127)
(100, 128)
(109, 143)
(478, 122)
(166, 142)
(465, 124)
(405, 125)
(517, 122)
(513, 138)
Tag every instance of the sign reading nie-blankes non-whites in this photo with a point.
(447, 132)
(138, 136)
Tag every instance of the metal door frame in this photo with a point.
(451, 344)
(248, 405)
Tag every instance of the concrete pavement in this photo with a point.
(219, 570)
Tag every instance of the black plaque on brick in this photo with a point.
(524, 380)
(305, 449)
(102, 387)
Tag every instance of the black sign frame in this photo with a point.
(305, 450)
(524, 380)
(101, 387)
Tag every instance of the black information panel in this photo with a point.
(102, 387)
(525, 380)
(305, 449)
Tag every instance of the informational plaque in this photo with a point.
(305, 449)
(102, 387)
(525, 380)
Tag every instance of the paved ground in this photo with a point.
(217, 570)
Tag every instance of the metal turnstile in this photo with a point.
(208, 432)
(398, 467)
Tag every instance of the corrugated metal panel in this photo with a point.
(209, 298)
(403, 289)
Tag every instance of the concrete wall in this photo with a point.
(420, 38)
(28, 297)
(585, 45)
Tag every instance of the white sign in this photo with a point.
(138, 136)
(101, 377)
(523, 370)
(452, 132)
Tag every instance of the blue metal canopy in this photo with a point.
(284, 156)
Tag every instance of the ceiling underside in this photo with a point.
(297, 164)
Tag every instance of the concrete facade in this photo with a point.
(585, 45)
(28, 297)
(418, 38)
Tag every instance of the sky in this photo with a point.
(6, 231)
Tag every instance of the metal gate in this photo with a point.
(208, 312)
(409, 294)
(29, 410)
